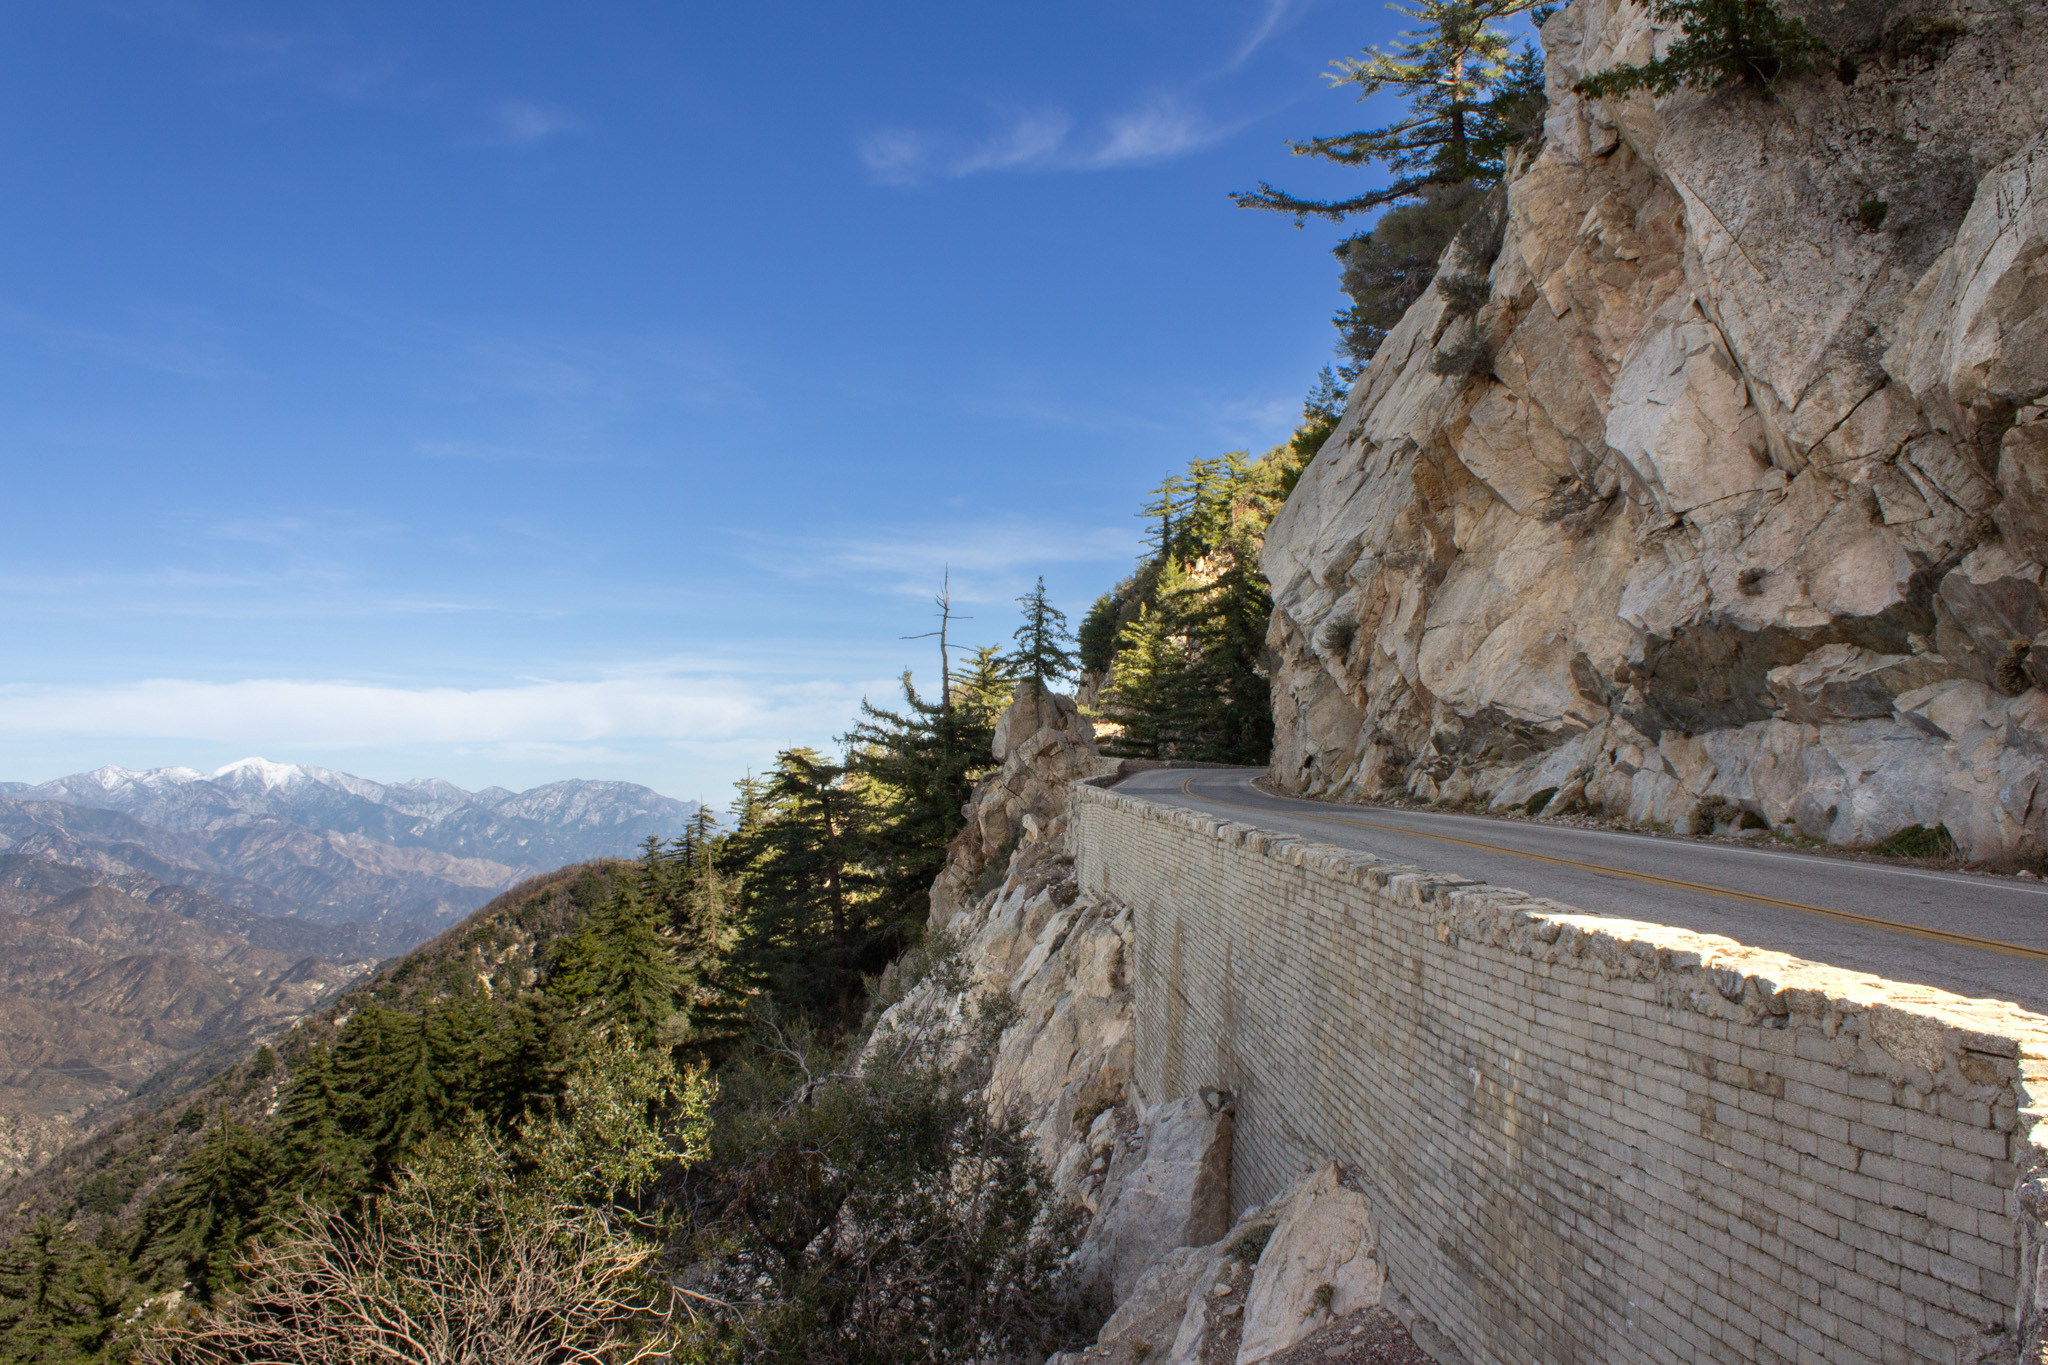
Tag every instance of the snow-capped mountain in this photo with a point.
(332, 846)
(563, 822)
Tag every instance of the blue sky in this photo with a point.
(507, 392)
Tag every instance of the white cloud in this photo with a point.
(1032, 140)
(522, 123)
(1160, 128)
(1158, 131)
(183, 343)
(280, 714)
(989, 561)
(1270, 18)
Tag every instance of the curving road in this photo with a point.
(1974, 935)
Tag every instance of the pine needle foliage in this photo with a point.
(816, 924)
(1721, 42)
(921, 761)
(1470, 99)
(1044, 645)
(62, 1300)
(1179, 646)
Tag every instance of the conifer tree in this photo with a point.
(1043, 654)
(1720, 41)
(811, 929)
(1160, 515)
(317, 1156)
(60, 1300)
(922, 762)
(1468, 103)
(620, 969)
(220, 1190)
(986, 684)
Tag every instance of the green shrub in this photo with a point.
(1918, 841)
(1711, 812)
(1464, 295)
(1466, 356)
(1535, 804)
(1721, 41)
(1251, 1243)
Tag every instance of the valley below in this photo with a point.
(155, 926)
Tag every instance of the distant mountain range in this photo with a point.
(284, 840)
(157, 919)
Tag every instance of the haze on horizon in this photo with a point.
(505, 394)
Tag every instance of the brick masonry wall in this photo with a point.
(1590, 1140)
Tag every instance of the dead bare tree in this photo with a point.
(506, 1285)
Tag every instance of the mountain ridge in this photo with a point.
(290, 840)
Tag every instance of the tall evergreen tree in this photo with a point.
(1468, 103)
(194, 1231)
(922, 760)
(61, 1302)
(1161, 513)
(620, 969)
(317, 1156)
(1044, 652)
(812, 930)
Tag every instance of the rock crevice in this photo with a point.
(1743, 476)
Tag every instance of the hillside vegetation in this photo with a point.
(612, 1081)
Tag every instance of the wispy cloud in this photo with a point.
(1159, 128)
(987, 559)
(522, 123)
(281, 714)
(174, 342)
(1272, 15)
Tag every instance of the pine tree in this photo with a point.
(215, 1202)
(984, 688)
(923, 761)
(620, 969)
(317, 1157)
(1161, 514)
(1043, 654)
(1468, 103)
(811, 930)
(60, 1300)
(1386, 269)
(1720, 42)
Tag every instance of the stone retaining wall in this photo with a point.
(1589, 1140)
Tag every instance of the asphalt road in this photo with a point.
(1901, 923)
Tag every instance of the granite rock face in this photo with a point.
(1747, 492)
(1279, 1276)
(1152, 1176)
(1042, 743)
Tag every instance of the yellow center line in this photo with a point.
(1942, 935)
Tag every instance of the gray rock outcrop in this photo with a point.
(1746, 493)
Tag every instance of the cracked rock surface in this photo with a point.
(1748, 490)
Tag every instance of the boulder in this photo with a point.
(1168, 1186)
(1042, 744)
(1321, 1263)
(1844, 682)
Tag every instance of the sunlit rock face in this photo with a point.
(1753, 455)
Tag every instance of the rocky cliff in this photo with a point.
(1737, 484)
(1297, 1279)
